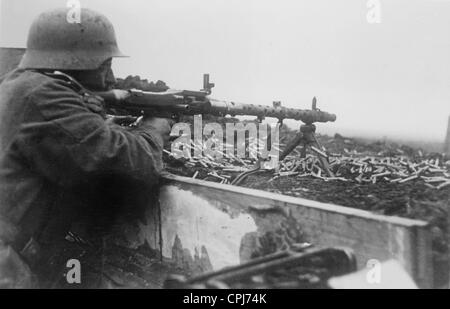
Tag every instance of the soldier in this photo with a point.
(59, 153)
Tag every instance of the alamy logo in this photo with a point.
(74, 13)
(374, 12)
(373, 275)
(248, 140)
(73, 275)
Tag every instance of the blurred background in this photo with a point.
(382, 66)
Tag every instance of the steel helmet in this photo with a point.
(55, 43)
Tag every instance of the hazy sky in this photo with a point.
(382, 79)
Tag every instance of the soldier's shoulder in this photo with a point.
(30, 82)
(54, 81)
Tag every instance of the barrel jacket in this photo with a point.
(58, 155)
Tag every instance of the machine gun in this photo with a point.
(174, 103)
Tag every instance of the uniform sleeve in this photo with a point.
(72, 142)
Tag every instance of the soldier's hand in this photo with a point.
(160, 126)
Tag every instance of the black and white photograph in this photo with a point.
(246, 146)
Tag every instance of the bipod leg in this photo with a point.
(298, 139)
(303, 151)
(323, 157)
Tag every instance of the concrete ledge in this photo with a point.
(206, 226)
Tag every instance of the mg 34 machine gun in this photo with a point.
(173, 103)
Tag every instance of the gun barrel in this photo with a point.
(219, 107)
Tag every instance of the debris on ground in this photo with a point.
(135, 82)
(393, 166)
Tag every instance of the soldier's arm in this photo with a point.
(73, 142)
